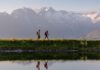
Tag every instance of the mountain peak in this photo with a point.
(47, 9)
(23, 10)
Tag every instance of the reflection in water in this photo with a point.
(38, 65)
(50, 65)
(45, 65)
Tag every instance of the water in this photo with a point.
(51, 65)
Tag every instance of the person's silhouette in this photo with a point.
(38, 34)
(46, 34)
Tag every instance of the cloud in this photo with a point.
(24, 22)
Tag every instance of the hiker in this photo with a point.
(46, 34)
(38, 34)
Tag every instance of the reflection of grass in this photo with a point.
(48, 56)
(38, 56)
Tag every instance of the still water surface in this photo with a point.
(50, 65)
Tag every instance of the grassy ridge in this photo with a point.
(86, 49)
(48, 44)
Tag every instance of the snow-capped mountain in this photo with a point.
(94, 16)
(24, 22)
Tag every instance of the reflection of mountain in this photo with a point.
(50, 63)
(24, 22)
(23, 62)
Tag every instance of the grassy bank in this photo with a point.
(49, 44)
(50, 49)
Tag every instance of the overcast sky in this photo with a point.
(69, 5)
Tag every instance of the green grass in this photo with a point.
(48, 44)
(86, 49)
